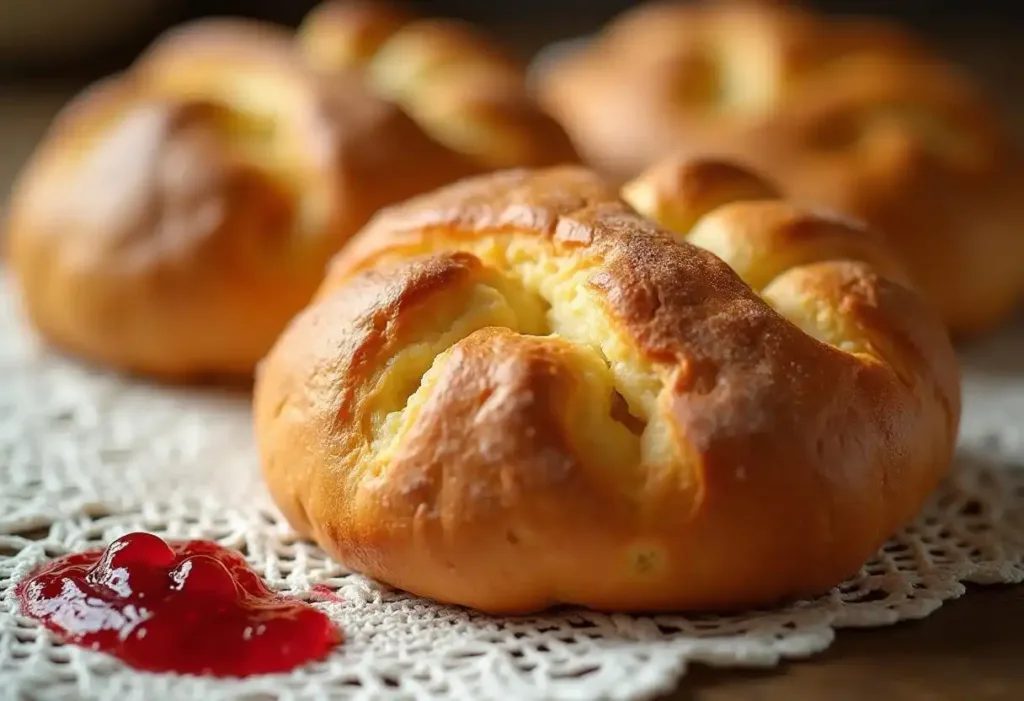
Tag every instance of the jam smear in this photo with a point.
(322, 592)
(191, 607)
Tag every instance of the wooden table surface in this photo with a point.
(972, 649)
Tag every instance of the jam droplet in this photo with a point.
(190, 607)
(133, 566)
(203, 575)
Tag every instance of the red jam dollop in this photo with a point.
(191, 607)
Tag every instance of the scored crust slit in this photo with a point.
(517, 391)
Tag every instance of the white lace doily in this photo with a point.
(86, 456)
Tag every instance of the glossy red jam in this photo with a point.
(189, 607)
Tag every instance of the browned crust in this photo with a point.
(143, 233)
(794, 460)
(451, 76)
(347, 33)
(855, 115)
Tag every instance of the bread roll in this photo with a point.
(450, 76)
(518, 392)
(853, 115)
(339, 36)
(176, 216)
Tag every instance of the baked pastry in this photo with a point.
(518, 391)
(339, 36)
(853, 115)
(449, 75)
(176, 216)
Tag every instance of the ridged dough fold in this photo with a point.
(518, 391)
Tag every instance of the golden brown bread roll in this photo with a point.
(449, 75)
(176, 216)
(345, 35)
(854, 115)
(517, 392)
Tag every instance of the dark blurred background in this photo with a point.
(77, 38)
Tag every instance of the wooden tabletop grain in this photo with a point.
(971, 649)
